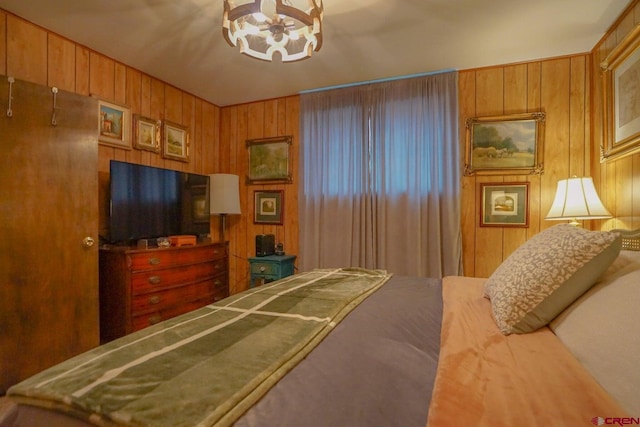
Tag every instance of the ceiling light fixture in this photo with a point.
(261, 28)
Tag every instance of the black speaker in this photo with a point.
(265, 244)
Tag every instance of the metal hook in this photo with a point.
(55, 94)
(11, 81)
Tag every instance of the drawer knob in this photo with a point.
(154, 261)
(155, 299)
(154, 319)
(154, 280)
(262, 269)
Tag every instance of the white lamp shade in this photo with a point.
(224, 194)
(576, 198)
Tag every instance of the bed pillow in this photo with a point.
(602, 330)
(546, 274)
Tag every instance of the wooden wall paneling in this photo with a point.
(133, 100)
(468, 208)
(156, 111)
(555, 99)
(188, 120)
(489, 101)
(578, 110)
(534, 91)
(61, 59)
(102, 76)
(82, 71)
(3, 43)
(26, 51)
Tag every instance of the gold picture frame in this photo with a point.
(270, 160)
(504, 204)
(114, 125)
(175, 141)
(505, 145)
(147, 133)
(621, 99)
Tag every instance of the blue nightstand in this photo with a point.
(265, 269)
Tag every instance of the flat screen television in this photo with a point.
(147, 202)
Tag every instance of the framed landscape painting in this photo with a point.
(270, 160)
(505, 145)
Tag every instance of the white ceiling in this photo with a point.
(180, 41)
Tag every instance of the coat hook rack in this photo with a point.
(11, 81)
(55, 94)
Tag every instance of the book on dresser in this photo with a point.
(141, 287)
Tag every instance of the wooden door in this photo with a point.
(48, 205)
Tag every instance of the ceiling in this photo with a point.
(181, 43)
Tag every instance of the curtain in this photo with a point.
(380, 177)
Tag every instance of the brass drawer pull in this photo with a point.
(155, 299)
(154, 261)
(154, 319)
(154, 280)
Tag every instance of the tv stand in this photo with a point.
(141, 287)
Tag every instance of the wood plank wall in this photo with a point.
(29, 52)
(263, 119)
(619, 179)
(558, 87)
(566, 89)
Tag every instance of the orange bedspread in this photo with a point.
(487, 379)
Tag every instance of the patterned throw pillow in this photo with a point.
(546, 274)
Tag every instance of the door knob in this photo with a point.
(87, 242)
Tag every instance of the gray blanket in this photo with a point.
(376, 368)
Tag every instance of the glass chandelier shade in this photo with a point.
(264, 28)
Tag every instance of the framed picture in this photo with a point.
(268, 207)
(270, 160)
(505, 145)
(146, 133)
(504, 204)
(621, 98)
(114, 125)
(175, 142)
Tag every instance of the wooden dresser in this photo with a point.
(141, 287)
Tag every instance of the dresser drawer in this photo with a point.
(153, 280)
(159, 300)
(151, 318)
(162, 258)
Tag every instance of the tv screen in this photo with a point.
(149, 202)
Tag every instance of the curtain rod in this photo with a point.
(388, 79)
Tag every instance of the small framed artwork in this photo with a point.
(175, 142)
(621, 98)
(270, 160)
(504, 204)
(114, 125)
(505, 145)
(268, 207)
(147, 133)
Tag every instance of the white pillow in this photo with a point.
(602, 330)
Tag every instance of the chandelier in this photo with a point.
(262, 28)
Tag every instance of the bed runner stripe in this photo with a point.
(209, 366)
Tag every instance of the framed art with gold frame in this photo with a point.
(175, 141)
(621, 98)
(114, 125)
(505, 145)
(147, 133)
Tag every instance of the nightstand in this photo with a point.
(266, 269)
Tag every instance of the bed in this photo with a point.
(367, 348)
